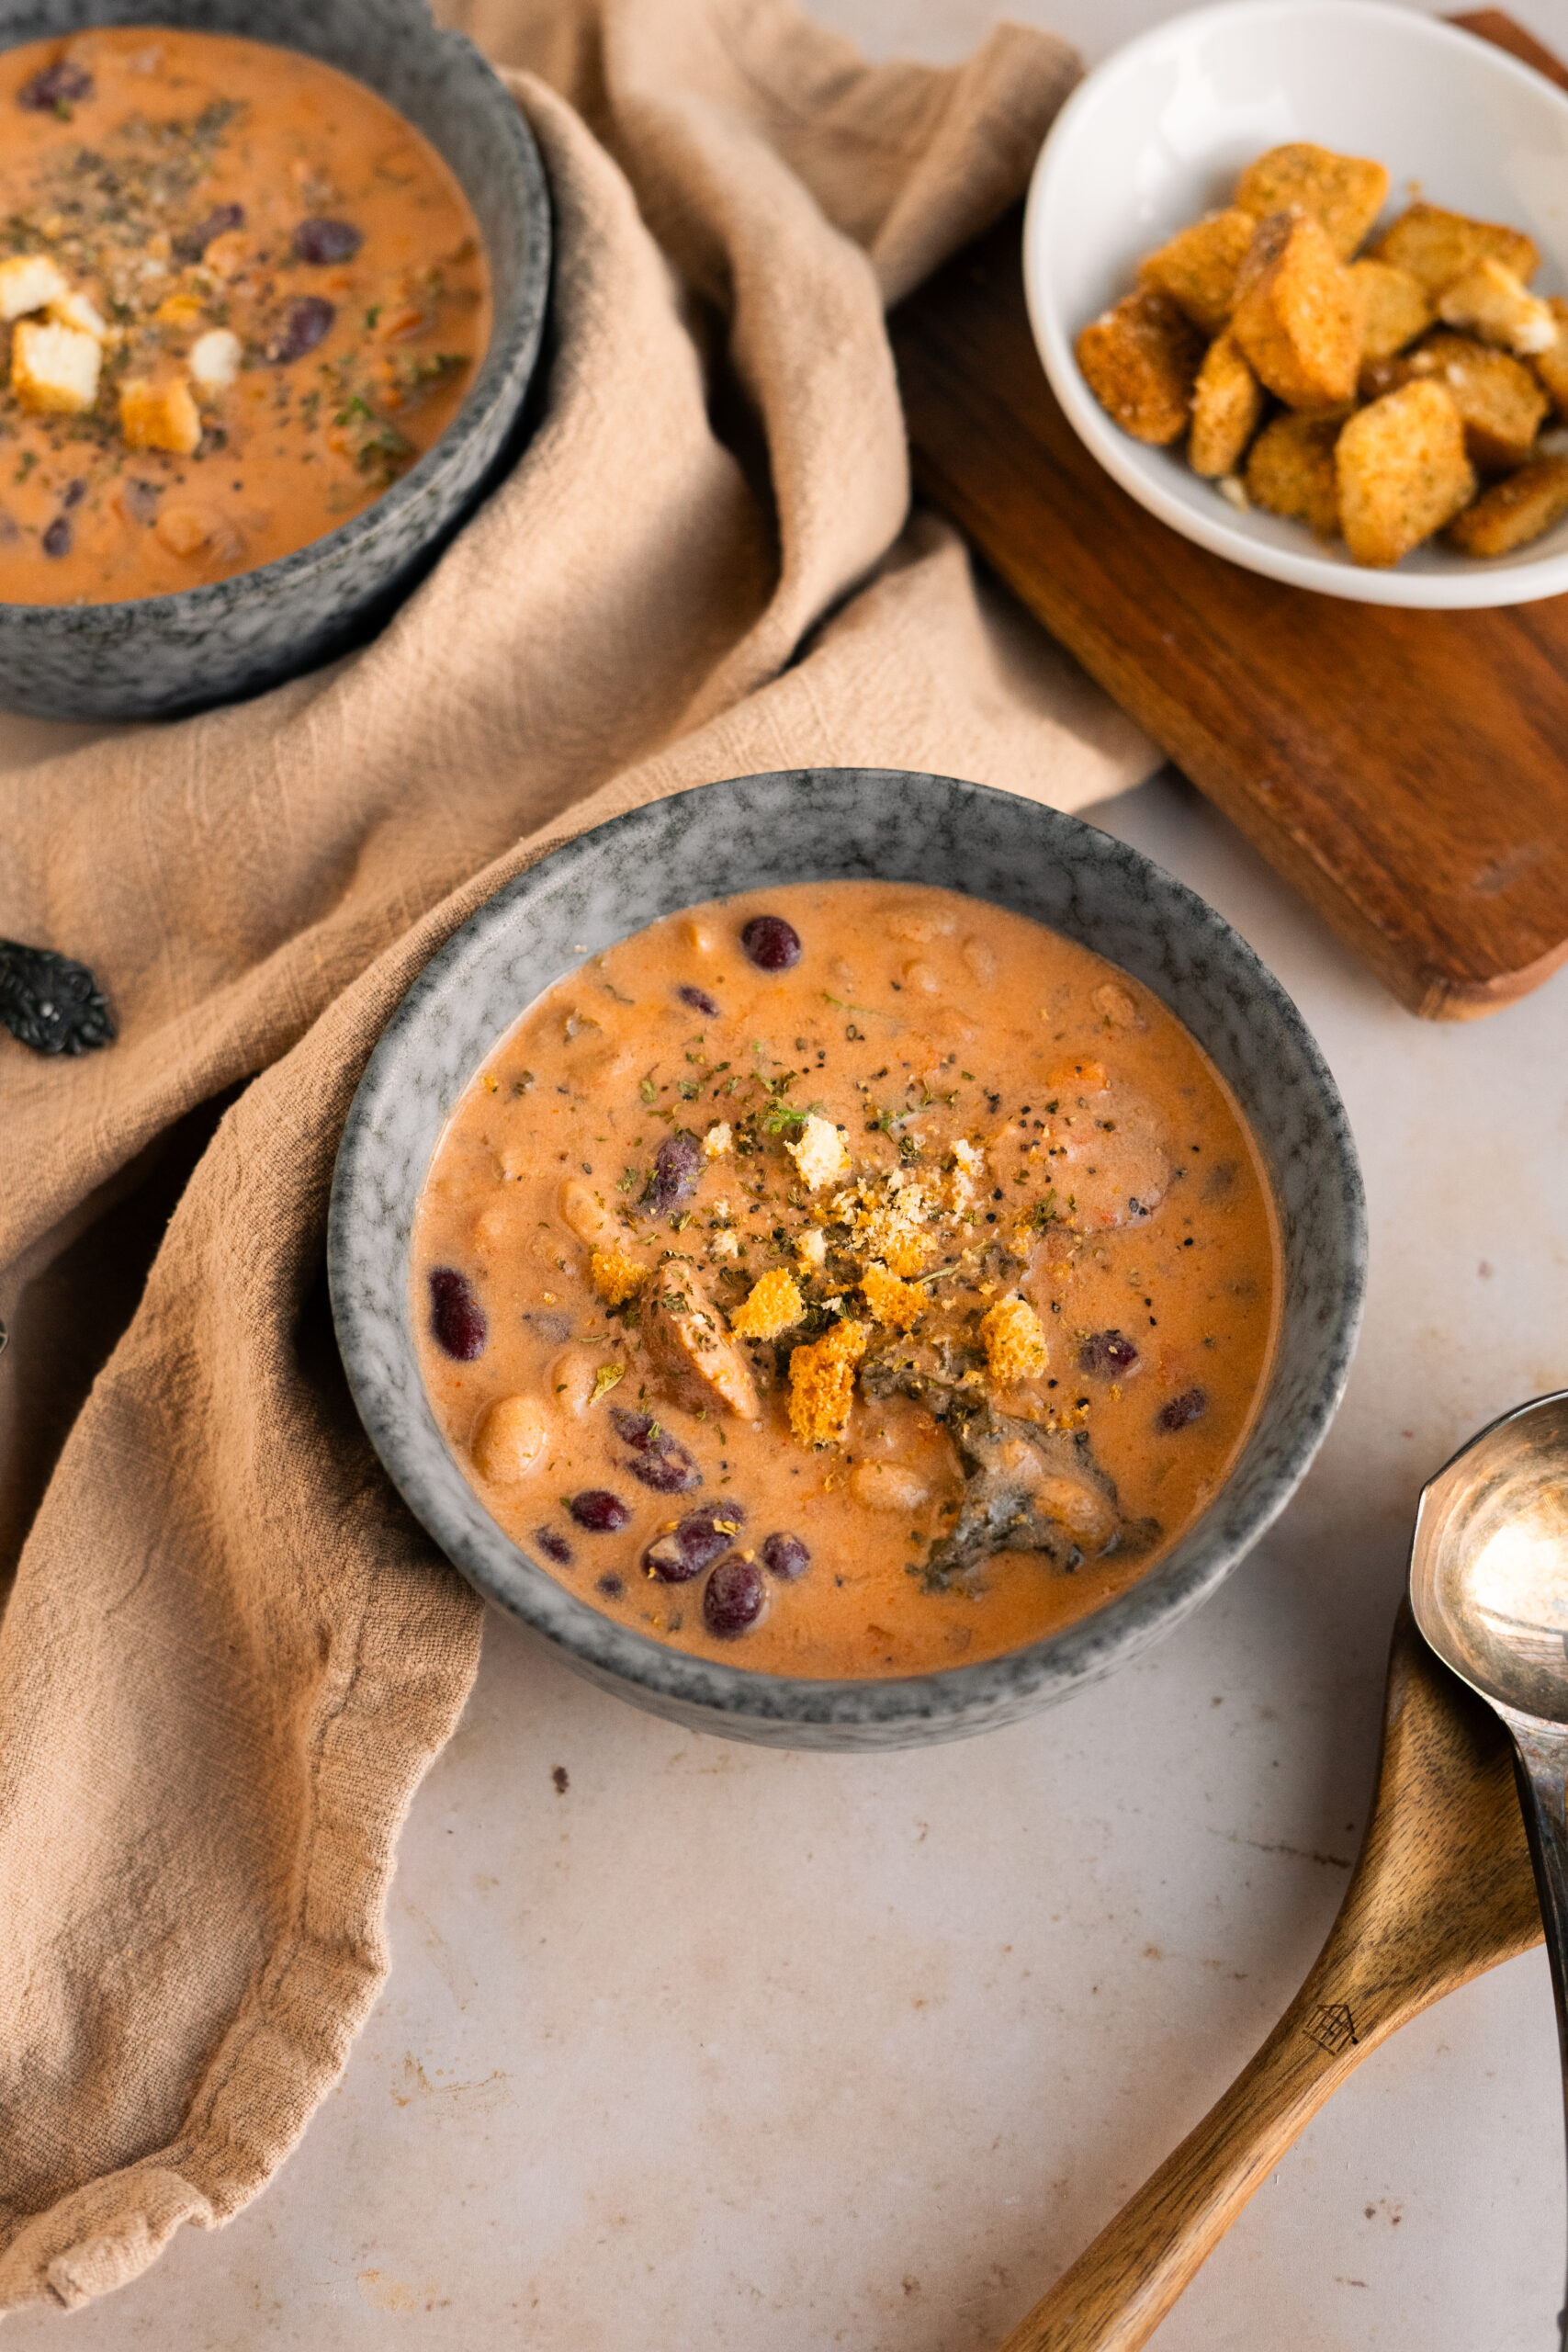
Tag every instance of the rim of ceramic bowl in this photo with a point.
(501, 381)
(1472, 583)
(434, 1040)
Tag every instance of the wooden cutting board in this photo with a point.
(1407, 772)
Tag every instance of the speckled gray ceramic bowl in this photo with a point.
(162, 654)
(818, 824)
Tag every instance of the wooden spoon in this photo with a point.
(1442, 1890)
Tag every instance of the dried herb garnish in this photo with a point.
(50, 1003)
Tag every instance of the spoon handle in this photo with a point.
(1542, 1774)
(1120, 2288)
(1442, 1890)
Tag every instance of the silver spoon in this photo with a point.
(1489, 1587)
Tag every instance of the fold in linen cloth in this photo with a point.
(229, 1654)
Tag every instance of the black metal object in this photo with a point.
(50, 1003)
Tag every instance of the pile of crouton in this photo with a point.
(1380, 399)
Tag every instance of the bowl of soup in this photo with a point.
(273, 278)
(846, 1256)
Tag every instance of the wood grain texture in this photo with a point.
(1442, 1890)
(1407, 772)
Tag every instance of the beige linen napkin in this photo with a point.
(228, 1654)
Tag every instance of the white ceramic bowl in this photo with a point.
(1158, 134)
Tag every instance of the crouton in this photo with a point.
(615, 1275)
(1397, 307)
(819, 1153)
(1343, 193)
(1227, 401)
(1197, 268)
(179, 310)
(54, 370)
(1435, 245)
(1514, 510)
(1500, 401)
(1489, 298)
(1401, 470)
(896, 1304)
(1299, 313)
(1140, 360)
(1552, 366)
(159, 416)
(773, 1304)
(822, 1385)
(29, 282)
(1290, 471)
(215, 359)
(1014, 1342)
(717, 1140)
(73, 310)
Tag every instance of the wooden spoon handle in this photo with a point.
(1121, 2288)
(1443, 1889)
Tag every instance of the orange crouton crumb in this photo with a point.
(774, 1304)
(1197, 268)
(1015, 1342)
(1343, 193)
(907, 1253)
(1140, 360)
(616, 1276)
(897, 1304)
(822, 1385)
(1514, 510)
(1299, 315)
(1402, 472)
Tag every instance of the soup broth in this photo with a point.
(846, 1280)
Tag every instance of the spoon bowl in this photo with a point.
(1489, 1562)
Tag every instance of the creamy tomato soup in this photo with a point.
(239, 296)
(846, 1280)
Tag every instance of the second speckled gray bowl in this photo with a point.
(157, 655)
(818, 824)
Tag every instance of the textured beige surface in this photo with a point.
(229, 1657)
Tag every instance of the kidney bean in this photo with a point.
(772, 944)
(1191, 1405)
(1108, 1354)
(457, 1318)
(193, 244)
(734, 1597)
(321, 241)
(700, 1001)
(676, 1165)
(786, 1557)
(57, 89)
(309, 323)
(599, 1510)
(554, 1546)
(667, 1467)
